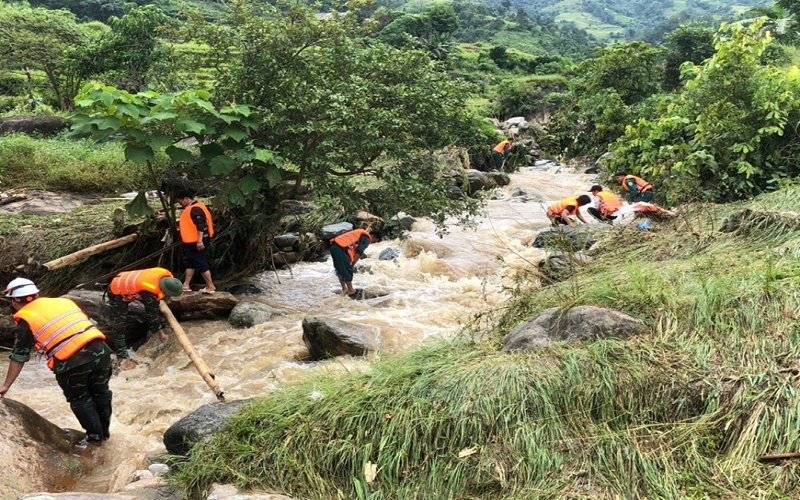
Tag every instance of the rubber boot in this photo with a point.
(86, 413)
(103, 405)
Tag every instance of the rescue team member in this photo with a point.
(148, 286)
(75, 350)
(605, 204)
(637, 188)
(345, 252)
(560, 212)
(197, 228)
(500, 152)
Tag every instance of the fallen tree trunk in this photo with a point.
(198, 362)
(89, 251)
(774, 457)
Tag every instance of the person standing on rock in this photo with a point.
(637, 188)
(346, 249)
(561, 212)
(500, 152)
(605, 204)
(148, 286)
(197, 228)
(75, 351)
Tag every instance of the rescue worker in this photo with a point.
(75, 350)
(561, 212)
(500, 152)
(197, 228)
(148, 286)
(346, 249)
(605, 204)
(637, 188)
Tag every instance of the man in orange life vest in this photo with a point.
(561, 212)
(500, 152)
(637, 188)
(197, 228)
(605, 204)
(148, 286)
(75, 350)
(345, 252)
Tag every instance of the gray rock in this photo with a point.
(287, 241)
(390, 253)
(328, 337)
(249, 313)
(560, 266)
(46, 125)
(333, 230)
(196, 305)
(564, 238)
(577, 324)
(245, 289)
(200, 425)
(230, 492)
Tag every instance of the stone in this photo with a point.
(328, 337)
(560, 266)
(44, 125)
(333, 230)
(287, 241)
(200, 425)
(197, 305)
(249, 313)
(126, 472)
(576, 324)
(499, 178)
(564, 238)
(391, 253)
(230, 492)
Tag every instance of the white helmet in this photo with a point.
(21, 287)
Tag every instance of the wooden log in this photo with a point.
(89, 251)
(198, 362)
(773, 457)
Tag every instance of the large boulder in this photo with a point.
(249, 313)
(31, 449)
(333, 230)
(196, 305)
(200, 425)
(43, 125)
(560, 266)
(328, 337)
(577, 324)
(134, 325)
(565, 238)
(472, 181)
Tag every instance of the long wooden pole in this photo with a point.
(198, 362)
(89, 251)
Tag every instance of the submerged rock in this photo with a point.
(250, 313)
(200, 425)
(328, 337)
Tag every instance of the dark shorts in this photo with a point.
(342, 264)
(194, 258)
(646, 196)
(498, 159)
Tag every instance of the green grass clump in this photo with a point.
(684, 411)
(74, 165)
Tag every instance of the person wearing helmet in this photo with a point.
(148, 286)
(75, 351)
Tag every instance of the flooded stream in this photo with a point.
(435, 286)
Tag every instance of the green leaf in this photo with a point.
(109, 122)
(138, 154)
(235, 133)
(158, 141)
(138, 207)
(222, 165)
(179, 155)
(249, 184)
(264, 155)
(273, 175)
(187, 125)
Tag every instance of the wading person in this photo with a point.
(637, 188)
(75, 351)
(562, 211)
(346, 249)
(148, 286)
(197, 228)
(605, 204)
(500, 152)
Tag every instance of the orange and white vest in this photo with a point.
(641, 184)
(555, 209)
(609, 203)
(186, 224)
(501, 148)
(130, 283)
(60, 328)
(349, 241)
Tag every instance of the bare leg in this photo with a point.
(342, 284)
(349, 288)
(207, 278)
(188, 279)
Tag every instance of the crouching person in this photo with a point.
(75, 351)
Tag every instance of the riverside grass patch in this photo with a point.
(685, 411)
(73, 165)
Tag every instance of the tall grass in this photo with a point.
(682, 412)
(74, 165)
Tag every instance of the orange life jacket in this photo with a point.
(641, 185)
(130, 283)
(501, 148)
(349, 241)
(555, 209)
(609, 203)
(60, 328)
(186, 224)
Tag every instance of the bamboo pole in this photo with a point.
(198, 362)
(89, 251)
(779, 456)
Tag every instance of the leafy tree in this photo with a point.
(628, 68)
(689, 42)
(99, 10)
(37, 39)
